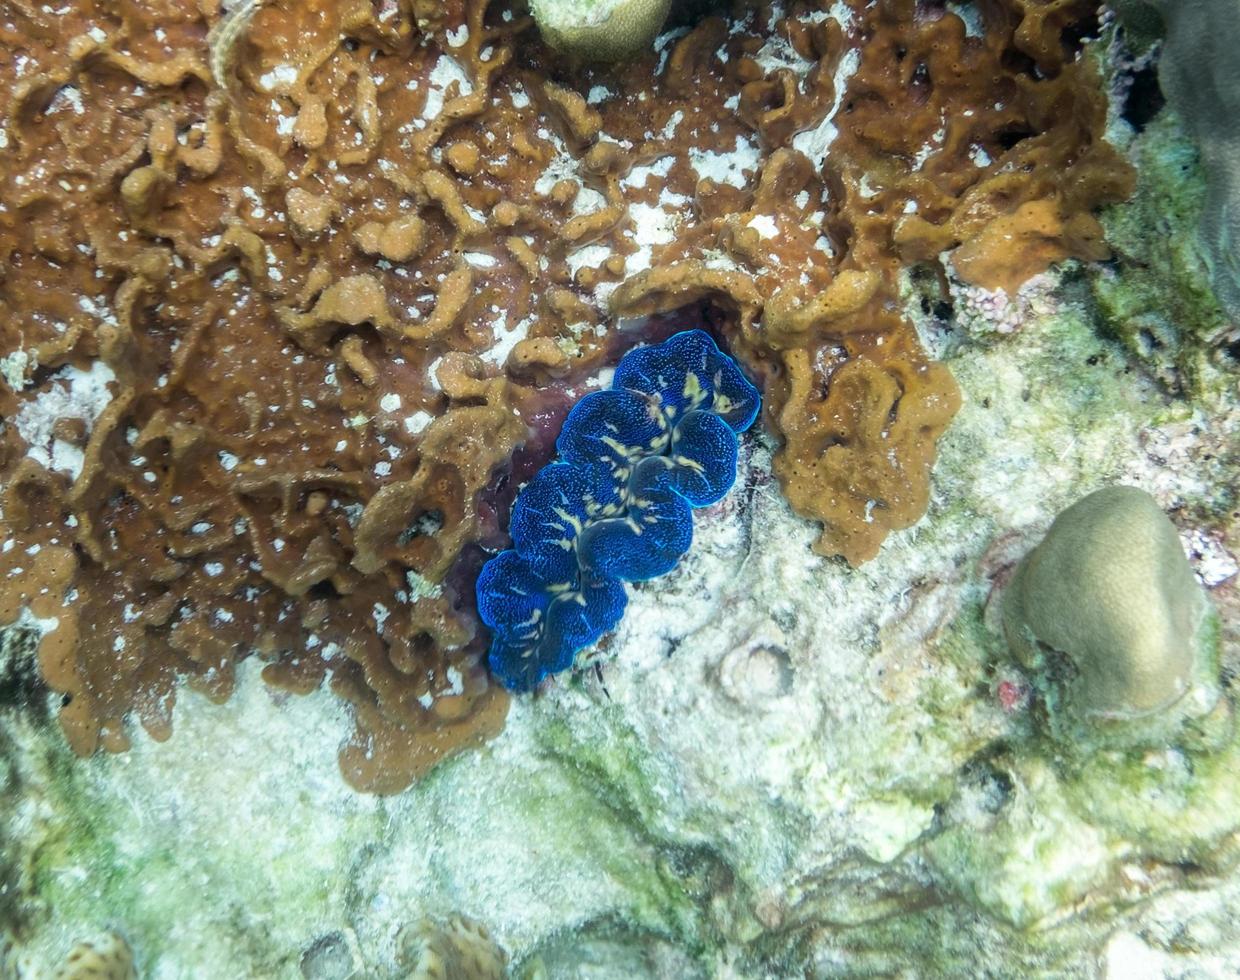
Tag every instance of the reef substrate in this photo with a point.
(292, 295)
(787, 767)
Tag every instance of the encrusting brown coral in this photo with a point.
(110, 958)
(939, 141)
(288, 307)
(455, 949)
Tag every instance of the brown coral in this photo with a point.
(110, 958)
(939, 143)
(456, 949)
(338, 262)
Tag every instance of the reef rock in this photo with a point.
(779, 764)
(1197, 73)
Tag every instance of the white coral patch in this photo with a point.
(734, 167)
(70, 394)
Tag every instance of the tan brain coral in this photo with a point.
(287, 307)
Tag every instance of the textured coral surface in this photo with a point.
(283, 293)
(107, 959)
(454, 950)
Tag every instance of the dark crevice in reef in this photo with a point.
(21, 685)
(1144, 99)
(14, 914)
(687, 13)
(1076, 34)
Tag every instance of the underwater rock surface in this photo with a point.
(788, 768)
(1198, 75)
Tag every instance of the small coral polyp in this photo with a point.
(617, 506)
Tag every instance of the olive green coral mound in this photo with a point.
(1106, 608)
(600, 30)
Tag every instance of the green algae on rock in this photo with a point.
(1107, 612)
(1198, 75)
(1156, 297)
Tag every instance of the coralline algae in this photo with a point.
(634, 460)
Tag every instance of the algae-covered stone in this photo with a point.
(1023, 856)
(600, 30)
(1197, 73)
(1106, 609)
(1157, 298)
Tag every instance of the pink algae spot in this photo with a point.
(1011, 695)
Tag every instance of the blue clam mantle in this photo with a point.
(617, 506)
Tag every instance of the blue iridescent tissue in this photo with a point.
(689, 372)
(617, 506)
(616, 429)
(648, 537)
(538, 624)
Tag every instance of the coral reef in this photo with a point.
(634, 460)
(1107, 610)
(940, 138)
(291, 301)
(600, 30)
(794, 768)
(1197, 76)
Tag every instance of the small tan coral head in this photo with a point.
(1110, 590)
(600, 30)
